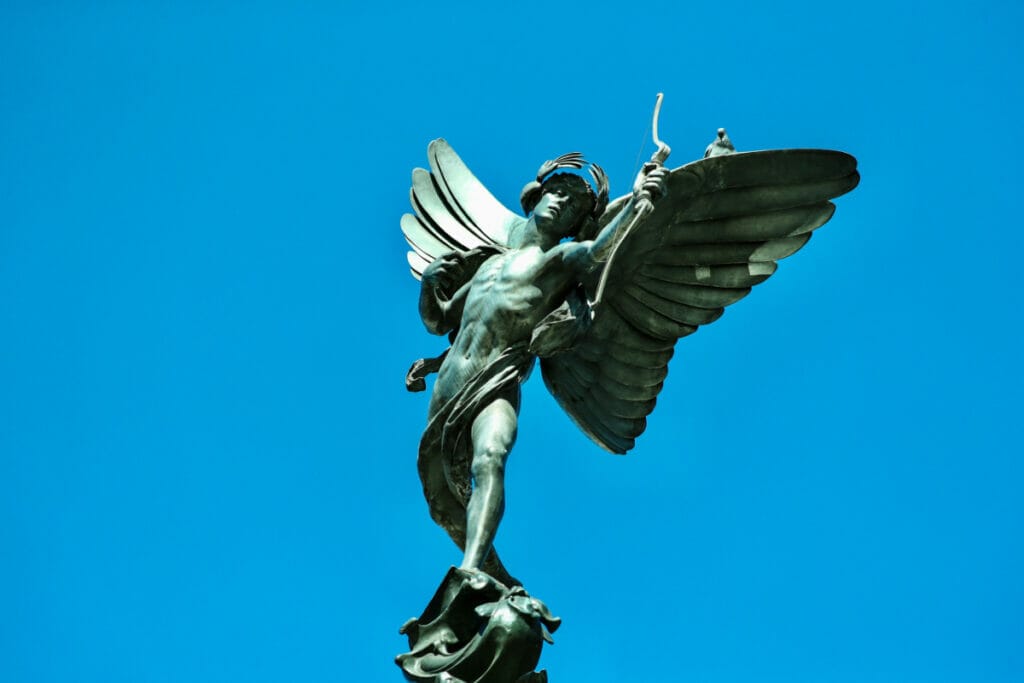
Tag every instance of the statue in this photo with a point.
(600, 292)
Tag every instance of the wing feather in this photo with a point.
(648, 321)
(744, 201)
(453, 210)
(723, 276)
(627, 386)
(594, 422)
(430, 206)
(631, 374)
(719, 231)
(726, 253)
(574, 398)
(420, 238)
(416, 264)
(758, 227)
(620, 375)
(625, 356)
(489, 217)
(612, 403)
(692, 295)
(673, 309)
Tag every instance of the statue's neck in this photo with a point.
(529, 236)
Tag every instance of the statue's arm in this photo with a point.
(443, 291)
(596, 251)
(587, 255)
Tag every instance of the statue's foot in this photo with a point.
(478, 579)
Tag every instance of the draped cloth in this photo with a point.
(446, 448)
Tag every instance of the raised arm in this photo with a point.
(587, 255)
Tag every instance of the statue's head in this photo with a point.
(564, 204)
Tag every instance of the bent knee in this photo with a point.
(489, 462)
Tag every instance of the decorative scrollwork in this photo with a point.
(477, 630)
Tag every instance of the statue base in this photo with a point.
(477, 630)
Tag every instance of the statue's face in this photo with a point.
(562, 207)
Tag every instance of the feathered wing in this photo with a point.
(453, 210)
(719, 231)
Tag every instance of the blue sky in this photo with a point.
(207, 456)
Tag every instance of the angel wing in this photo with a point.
(453, 210)
(719, 231)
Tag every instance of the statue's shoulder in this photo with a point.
(477, 257)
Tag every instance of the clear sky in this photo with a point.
(207, 456)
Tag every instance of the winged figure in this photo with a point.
(600, 291)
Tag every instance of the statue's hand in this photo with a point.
(650, 182)
(443, 271)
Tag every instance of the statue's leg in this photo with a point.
(493, 433)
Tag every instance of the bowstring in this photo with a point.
(636, 165)
(621, 234)
(648, 130)
(640, 151)
(617, 240)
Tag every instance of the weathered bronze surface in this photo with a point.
(476, 629)
(600, 291)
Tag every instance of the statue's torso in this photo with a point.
(509, 294)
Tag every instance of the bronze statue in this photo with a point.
(599, 291)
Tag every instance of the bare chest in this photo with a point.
(510, 271)
(512, 281)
